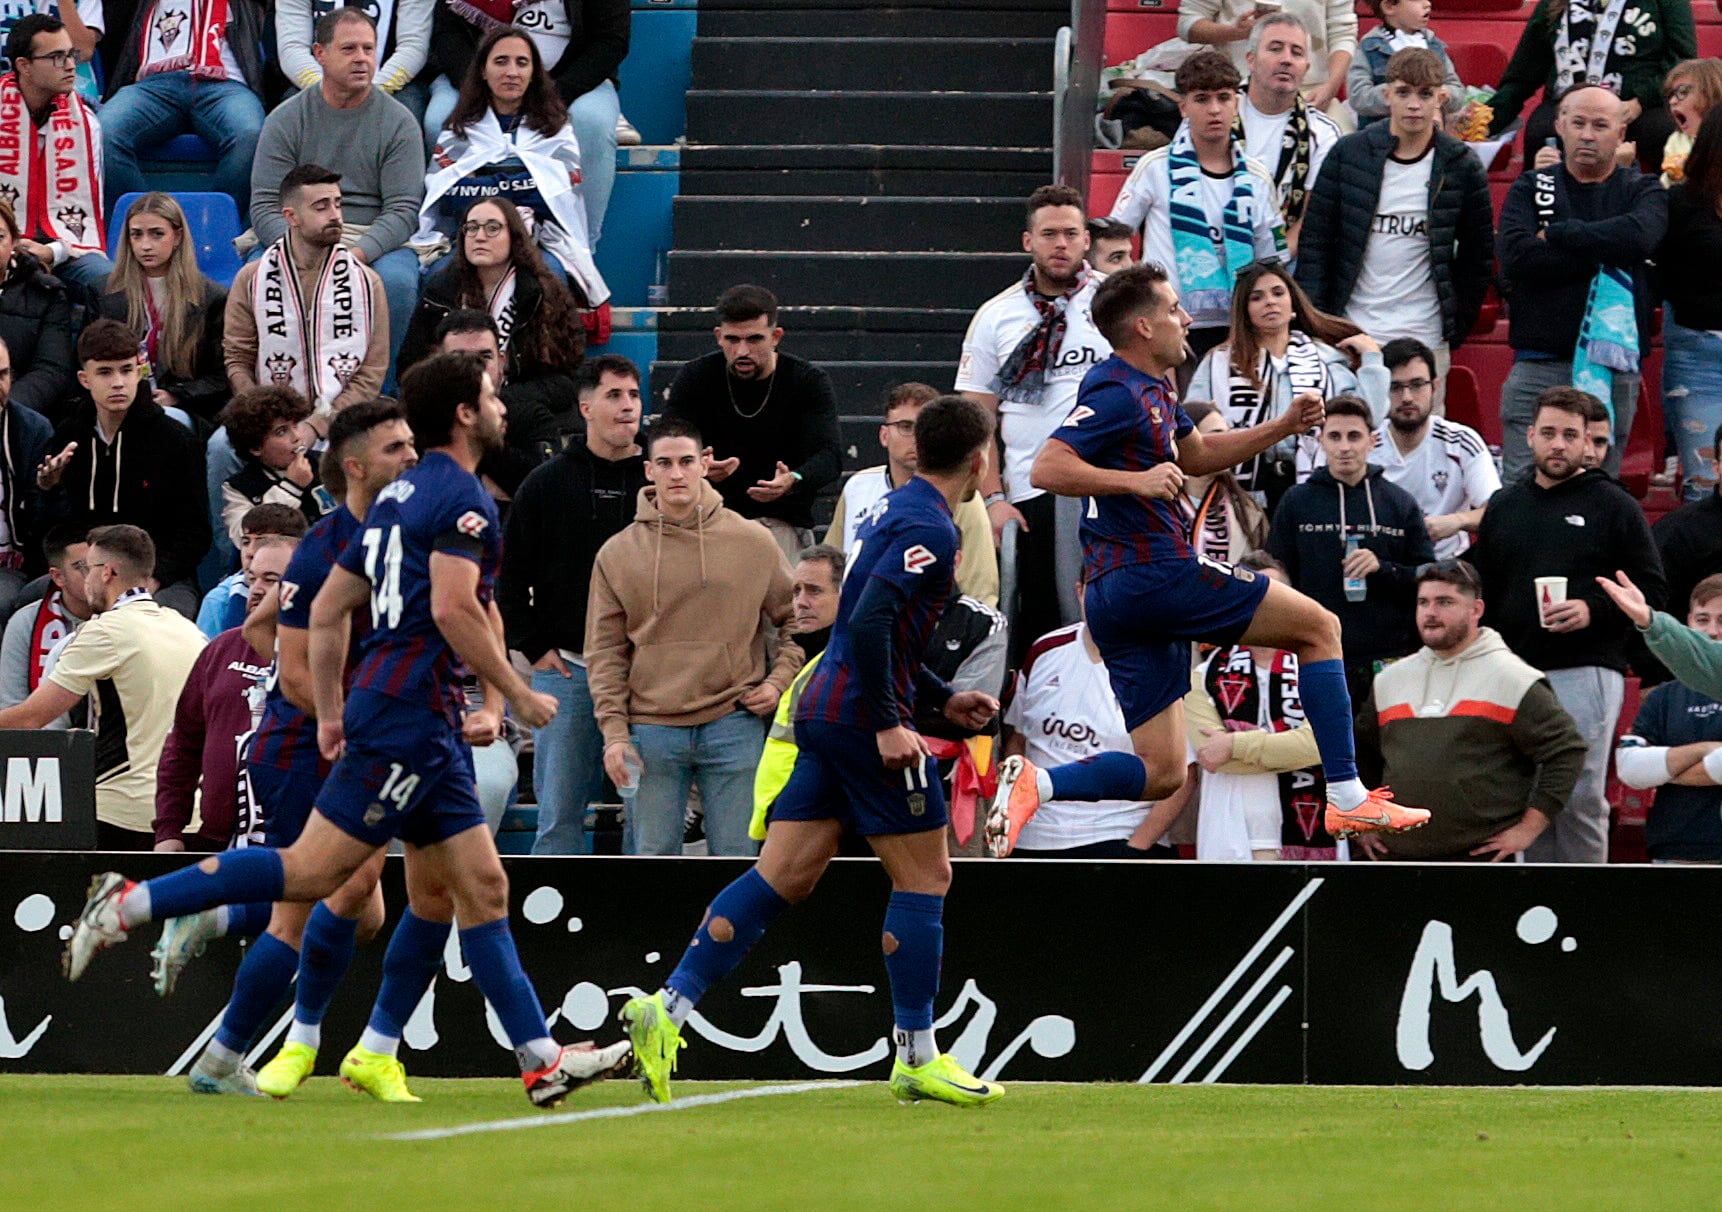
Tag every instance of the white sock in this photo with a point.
(372, 1041)
(914, 1048)
(1043, 785)
(134, 906)
(538, 1053)
(677, 1006)
(222, 921)
(1347, 794)
(218, 1058)
(309, 1034)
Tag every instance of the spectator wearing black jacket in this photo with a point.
(1690, 539)
(36, 324)
(1398, 234)
(1348, 522)
(121, 459)
(533, 433)
(1565, 521)
(1559, 227)
(24, 437)
(582, 43)
(563, 513)
(770, 419)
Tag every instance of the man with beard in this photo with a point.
(35, 633)
(1445, 466)
(1568, 522)
(1288, 136)
(769, 418)
(1464, 703)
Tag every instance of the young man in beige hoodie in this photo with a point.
(675, 651)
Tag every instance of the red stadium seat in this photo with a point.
(1445, 8)
(1479, 64)
(1141, 6)
(1464, 406)
(1642, 457)
(1129, 34)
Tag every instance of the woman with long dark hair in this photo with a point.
(1281, 345)
(1223, 521)
(510, 136)
(179, 315)
(1690, 273)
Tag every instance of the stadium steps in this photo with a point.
(868, 164)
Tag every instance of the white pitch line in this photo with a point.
(574, 1117)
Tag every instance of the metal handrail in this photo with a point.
(1060, 87)
(1008, 583)
(1077, 59)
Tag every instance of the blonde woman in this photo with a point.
(177, 313)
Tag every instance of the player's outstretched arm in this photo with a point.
(326, 650)
(465, 623)
(1203, 454)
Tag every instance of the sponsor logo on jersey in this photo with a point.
(918, 559)
(288, 590)
(472, 523)
(1078, 415)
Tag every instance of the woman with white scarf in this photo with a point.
(1280, 345)
(510, 135)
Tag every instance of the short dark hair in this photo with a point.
(1570, 400)
(274, 518)
(1053, 195)
(918, 394)
(433, 391)
(1261, 561)
(1417, 66)
(739, 304)
(1455, 572)
(671, 426)
(106, 341)
(832, 558)
(22, 38)
(1206, 71)
(300, 176)
(593, 370)
(323, 32)
(1349, 406)
(59, 539)
(1109, 229)
(1123, 296)
(132, 544)
(948, 431)
(250, 415)
(1199, 410)
(357, 420)
(466, 319)
(1402, 351)
(1710, 587)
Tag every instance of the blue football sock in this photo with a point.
(490, 953)
(409, 965)
(326, 951)
(746, 907)
(915, 920)
(263, 980)
(248, 920)
(1105, 776)
(252, 874)
(1327, 706)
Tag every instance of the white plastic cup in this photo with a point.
(635, 769)
(1550, 592)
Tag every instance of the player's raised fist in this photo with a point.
(534, 709)
(971, 709)
(1163, 481)
(1306, 412)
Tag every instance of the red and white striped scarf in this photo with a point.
(54, 191)
(169, 46)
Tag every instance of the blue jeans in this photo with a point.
(593, 115)
(89, 271)
(721, 756)
(225, 114)
(1692, 401)
(567, 763)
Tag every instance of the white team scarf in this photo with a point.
(502, 309)
(1247, 405)
(553, 161)
(1571, 57)
(184, 35)
(316, 359)
(68, 205)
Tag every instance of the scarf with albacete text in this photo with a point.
(1022, 378)
(1232, 685)
(187, 36)
(1297, 150)
(60, 199)
(318, 357)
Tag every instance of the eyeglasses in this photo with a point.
(59, 58)
(490, 227)
(905, 428)
(1681, 91)
(1410, 387)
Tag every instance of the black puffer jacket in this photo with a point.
(36, 323)
(1342, 210)
(207, 391)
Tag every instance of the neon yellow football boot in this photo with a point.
(942, 1080)
(382, 1077)
(656, 1040)
(287, 1071)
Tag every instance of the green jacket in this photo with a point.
(1691, 656)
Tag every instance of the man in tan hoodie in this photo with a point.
(676, 654)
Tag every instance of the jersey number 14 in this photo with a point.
(386, 600)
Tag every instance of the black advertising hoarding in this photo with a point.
(48, 796)
(1281, 973)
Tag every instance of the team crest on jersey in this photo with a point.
(288, 591)
(917, 804)
(472, 523)
(1440, 478)
(1155, 415)
(1078, 415)
(918, 559)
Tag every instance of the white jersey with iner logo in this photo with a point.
(1063, 707)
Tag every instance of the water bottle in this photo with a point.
(1356, 589)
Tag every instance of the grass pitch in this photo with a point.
(145, 1142)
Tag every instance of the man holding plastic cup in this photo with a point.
(1543, 542)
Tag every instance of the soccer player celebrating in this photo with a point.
(861, 763)
(1127, 446)
(372, 445)
(425, 563)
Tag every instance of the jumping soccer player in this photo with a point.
(372, 445)
(425, 563)
(1127, 446)
(861, 763)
